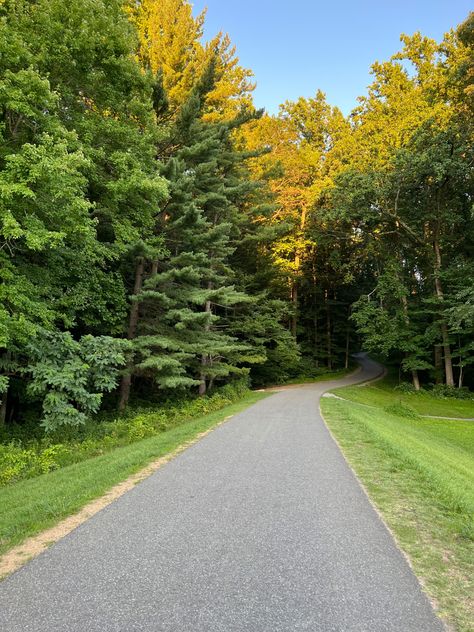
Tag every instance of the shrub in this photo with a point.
(26, 459)
(71, 376)
(443, 392)
(401, 410)
(406, 387)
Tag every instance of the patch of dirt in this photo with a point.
(35, 545)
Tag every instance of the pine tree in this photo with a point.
(181, 333)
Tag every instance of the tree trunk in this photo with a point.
(414, 373)
(316, 340)
(294, 282)
(438, 362)
(3, 408)
(204, 357)
(416, 379)
(328, 330)
(294, 300)
(348, 338)
(448, 364)
(126, 382)
(7, 356)
(315, 323)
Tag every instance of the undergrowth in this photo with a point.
(22, 458)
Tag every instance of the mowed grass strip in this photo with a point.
(384, 393)
(420, 474)
(31, 506)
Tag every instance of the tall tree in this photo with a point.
(182, 301)
(171, 43)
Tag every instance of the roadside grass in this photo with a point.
(420, 475)
(26, 451)
(384, 393)
(33, 505)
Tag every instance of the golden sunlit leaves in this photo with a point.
(171, 42)
(306, 154)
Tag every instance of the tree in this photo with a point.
(181, 337)
(71, 376)
(78, 176)
(171, 45)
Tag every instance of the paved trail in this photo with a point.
(260, 527)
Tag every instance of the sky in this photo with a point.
(297, 46)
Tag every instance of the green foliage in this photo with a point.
(17, 462)
(407, 194)
(23, 458)
(402, 410)
(3, 384)
(405, 387)
(273, 353)
(71, 376)
(183, 336)
(442, 391)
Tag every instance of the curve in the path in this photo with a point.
(260, 527)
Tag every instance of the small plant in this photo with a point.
(442, 391)
(401, 410)
(71, 376)
(406, 387)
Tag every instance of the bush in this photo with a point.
(442, 391)
(406, 387)
(26, 459)
(17, 462)
(401, 410)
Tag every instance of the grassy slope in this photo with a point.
(383, 394)
(30, 506)
(420, 474)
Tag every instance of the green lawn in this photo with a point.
(30, 506)
(420, 474)
(383, 394)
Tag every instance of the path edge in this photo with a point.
(432, 600)
(18, 556)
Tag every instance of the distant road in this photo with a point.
(259, 527)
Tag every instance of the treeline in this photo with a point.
(159, 235)
(132, 236)
(379, 207)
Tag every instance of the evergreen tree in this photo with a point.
(181, 333)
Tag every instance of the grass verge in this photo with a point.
(384, 393)
(27, 451)
(31, 506)
(420, 475)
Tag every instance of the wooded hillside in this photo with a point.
(160, 235)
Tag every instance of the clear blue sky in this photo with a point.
(295, 47)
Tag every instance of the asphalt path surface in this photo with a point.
(259, 527)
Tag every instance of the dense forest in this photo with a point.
(160, 235)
